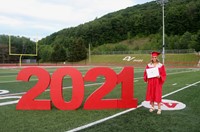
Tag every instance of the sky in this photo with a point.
(36, 19)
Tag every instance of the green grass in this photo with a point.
(172, 60)
(137, 120)
(142, 120)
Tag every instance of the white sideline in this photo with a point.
(123, 112)
(180, 89)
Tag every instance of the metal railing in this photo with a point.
(175, 51)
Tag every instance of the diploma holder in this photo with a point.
(152, 72)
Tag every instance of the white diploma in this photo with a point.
(152, 72)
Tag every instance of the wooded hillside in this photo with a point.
(140, 23)
(146, 19)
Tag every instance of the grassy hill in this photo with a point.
(141, 60)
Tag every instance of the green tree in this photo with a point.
(139, 20)
(58, 54)
(45, 53)
(76, 51)
(185, 40)
(197, 44)
(120, 47)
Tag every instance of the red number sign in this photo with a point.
(28, 102)
(77, 89)
(94, 101)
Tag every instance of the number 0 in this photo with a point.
(77, 89)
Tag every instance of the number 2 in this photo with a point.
(125, 77)
(28, 101)
(95, 100)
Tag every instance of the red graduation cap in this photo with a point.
(155, 53)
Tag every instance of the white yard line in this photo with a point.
(135, 72)
(13, 94)
(37, 79)
(181, 89)
(71, 86)
(174, 84)
(93, 84)
(102, 120)
(8, 76)
(124, 112)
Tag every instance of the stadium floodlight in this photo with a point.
(162, 3)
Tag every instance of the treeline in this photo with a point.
(153, 42)
(74, 51)
(186, 41)
(182, 28)
(58, 52)
(19, 45)
(182, 16)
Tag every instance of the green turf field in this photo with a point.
(139, 119)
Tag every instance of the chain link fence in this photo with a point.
(175, 51)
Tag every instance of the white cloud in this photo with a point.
(10, 21)
(48, 16)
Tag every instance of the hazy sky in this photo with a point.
(36, 19)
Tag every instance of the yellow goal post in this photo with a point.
(20, 55)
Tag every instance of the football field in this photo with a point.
(182, 84)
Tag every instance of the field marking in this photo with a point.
(9, 102)
(50, 72)
(194, 84)
(4, 92)
(123, 112)
(11, 94)
(85, 84)
(8, 75)
(193, 70)
(93, 84)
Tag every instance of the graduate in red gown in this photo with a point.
(154, 84)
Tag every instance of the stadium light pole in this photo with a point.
(162, 3)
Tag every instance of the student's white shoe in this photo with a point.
(159, 111)
(151, 109)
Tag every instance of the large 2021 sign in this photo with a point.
(93, 102)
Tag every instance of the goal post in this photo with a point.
(22, 54)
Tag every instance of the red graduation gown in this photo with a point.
(154, 86)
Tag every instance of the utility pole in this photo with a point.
(89, 54)
(162, 3)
